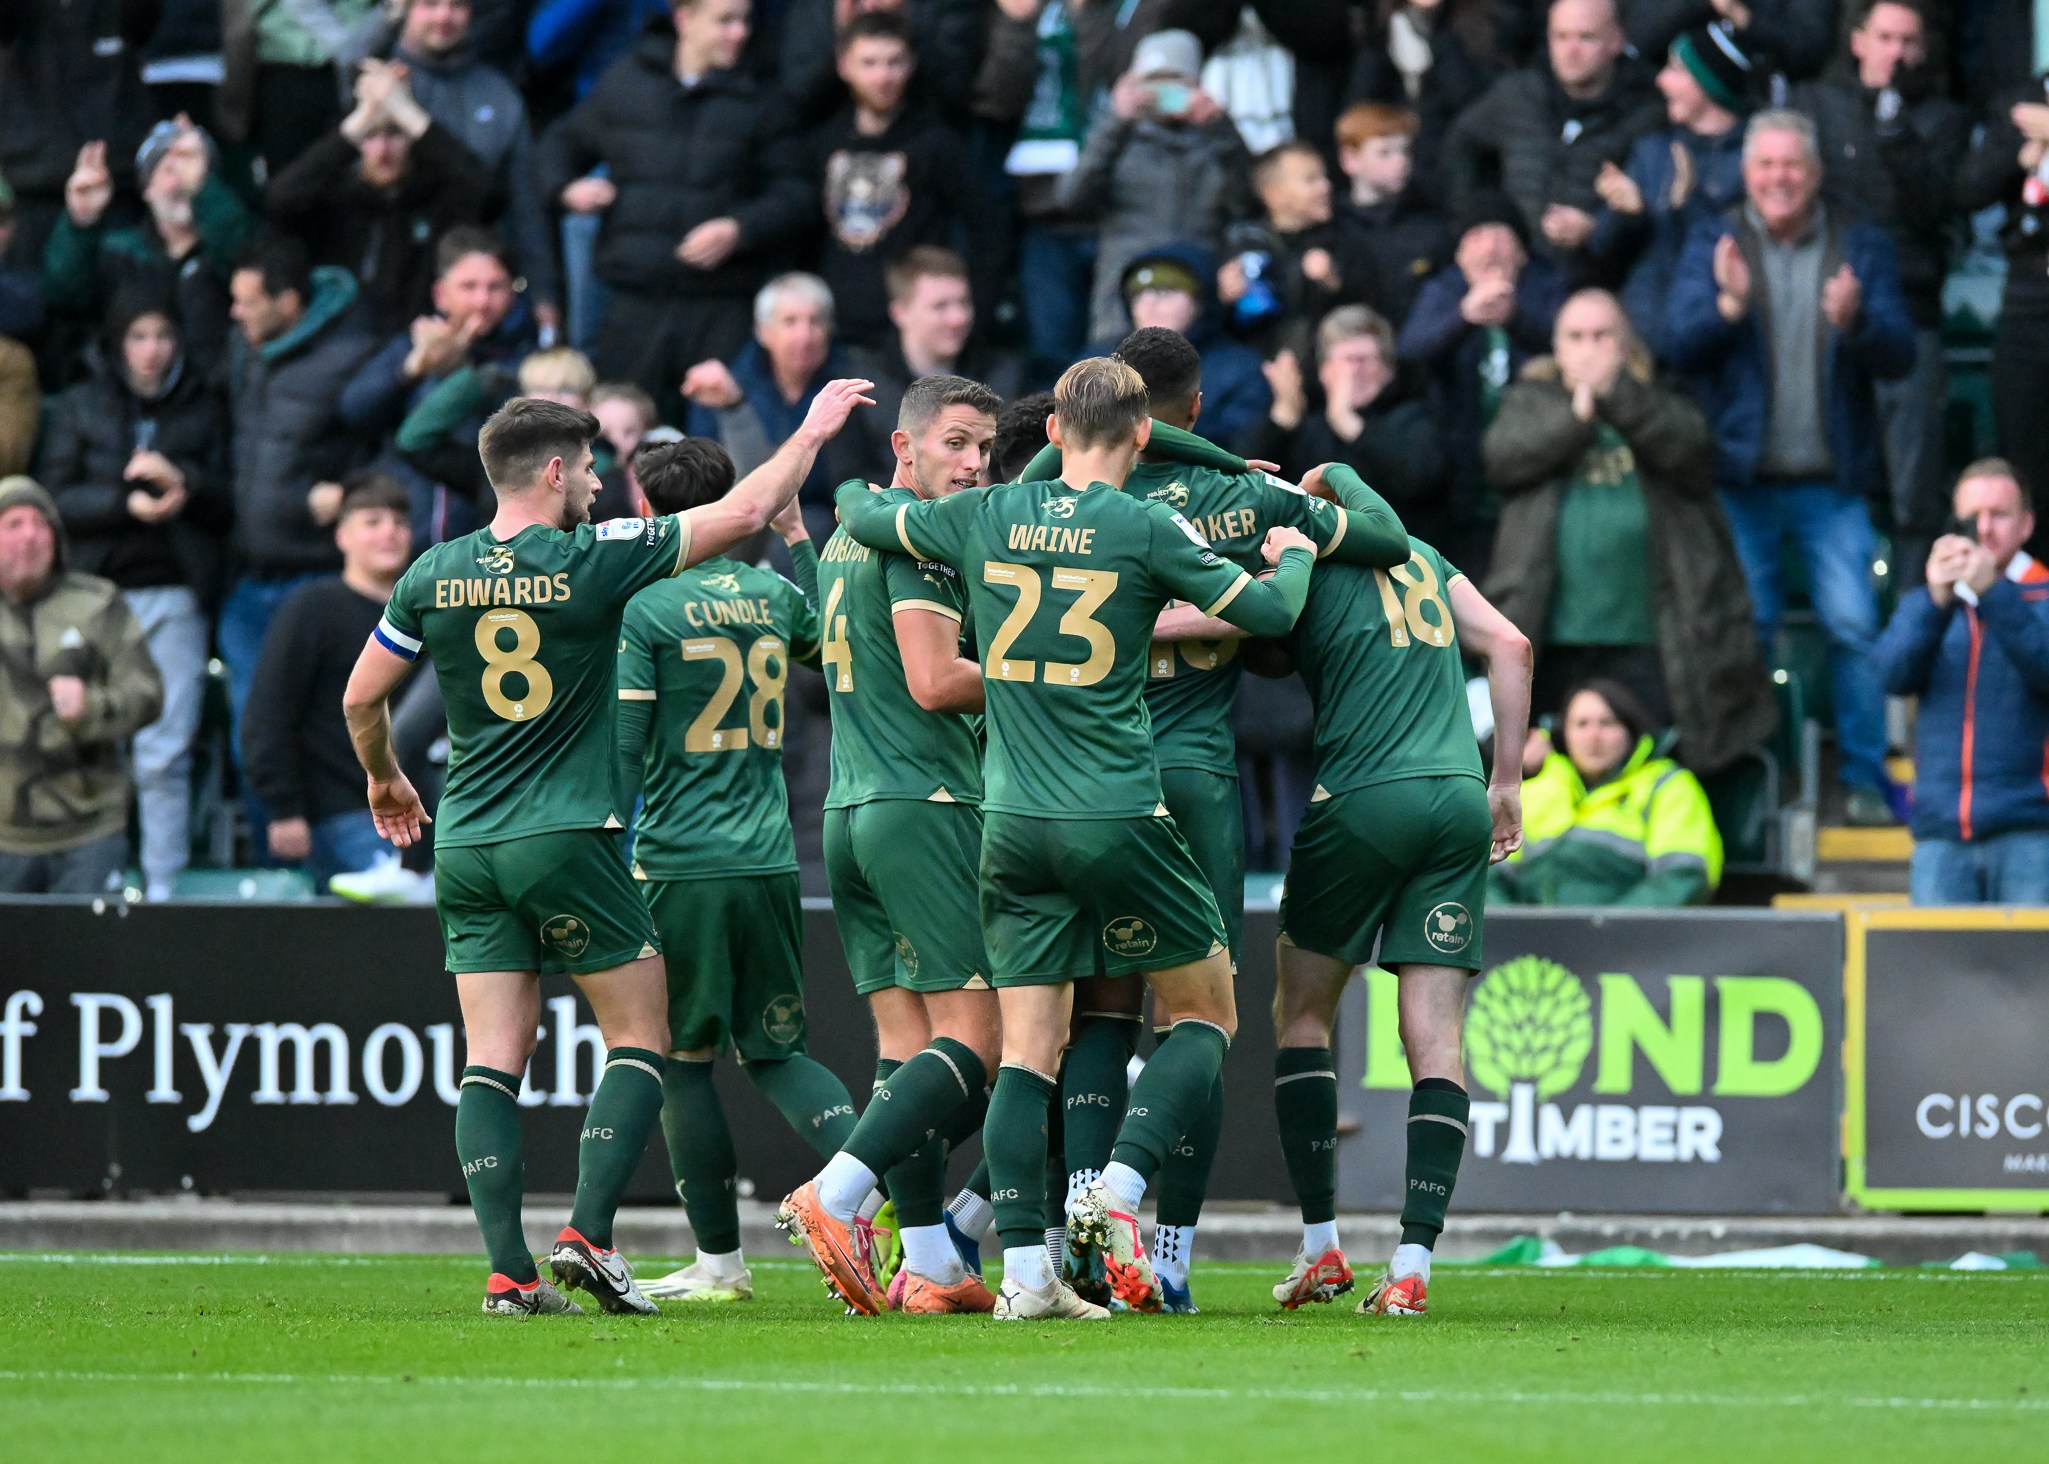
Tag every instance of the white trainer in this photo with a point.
(387, 882)
(1055, 1301)
(699, 1282)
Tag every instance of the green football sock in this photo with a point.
(493, 1154)
(615, 1130)
(1306, 1104)
(1015, 1139)
(810, 1096)
(1094, 1082)
(911, 1106)
(1168, 1096)
(966, 1120)
(701, 1157)
(978, 1182)
(1438, 1112)
(917, 1185)
(1184, 1178)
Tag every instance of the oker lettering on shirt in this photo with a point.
(1050, 539)
(515, 589)
(1237, 523)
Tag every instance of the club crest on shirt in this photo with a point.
(497, 559)
(1175, 494)
(865, 196)
(725, 584)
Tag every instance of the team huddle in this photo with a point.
(1032, 834)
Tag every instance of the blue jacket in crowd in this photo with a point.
(588, 35)
(1645, 248)
(1981, 756)
(1733, 362)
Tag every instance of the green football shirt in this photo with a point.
(523, 635)
(1065, 586)
(708, 656)
(1380, 657)
(884, 745)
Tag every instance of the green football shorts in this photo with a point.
(734, 949)
(548, 902)
(1207, 810)
(1067, 898)
(1405, 861)
(902, 875)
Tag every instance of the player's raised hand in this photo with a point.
(1505, 803)
(834, 403)
(1280, 539)
(397, 811)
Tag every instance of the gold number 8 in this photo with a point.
(518, 660)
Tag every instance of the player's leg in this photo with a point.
(495, 958)
(970, 1218)
(1096, 1077)
(768, 1019)
(934, 1277)
(1309, 988)
(1432, 941)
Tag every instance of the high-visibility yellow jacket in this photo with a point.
(1644, 837)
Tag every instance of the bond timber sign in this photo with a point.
(1656, 1061)
(1947, 1059)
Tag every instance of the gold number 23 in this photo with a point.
(1091, 586)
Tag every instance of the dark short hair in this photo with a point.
(872, 25)
(1860, 11)
(524, 434)
(922, 261)
(1169, 365)
(460, 242)
(1020, 433)
(679, 476)
(374, 490)
(283, 263)
(926, 397)
(1266, 163)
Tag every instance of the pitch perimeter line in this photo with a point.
(1057, 1390)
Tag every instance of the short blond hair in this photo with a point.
(1356, 323)
(563, 369)
(1995, 467)
(1099, 401)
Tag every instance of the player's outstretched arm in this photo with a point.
(898, 522)
(394, 807)
(1373, 533)
(1492, 636)
(757, 498)
(1186, 623)
(1268, 606)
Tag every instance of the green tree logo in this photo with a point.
(1532, 1022)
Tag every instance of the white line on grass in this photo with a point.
(1516, 1397)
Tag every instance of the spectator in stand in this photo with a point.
(1386, 210)
(1542, 135)
(1692, 170)
(1607, 821)
(681, 252)
(485, 112)
(187, 241)
(480, 330)
(68, 76)
(1165, 165)
(1793, 38)
(1300, 262)
(933, 312)
(947, 35)
(1432, 59)
(626, 415)
(892, 176)
(1020, 435)
(137, 462)
(375, 194)
(297, 348)
(1790, 310)
(21, 285)
(295, 743)
(1169, 289)
(1473, 327)
(280, 90)
(76, 680)
(752, 406)
(1374, 419)
(1973, 645)
(1047, 64)
(1613, 555)
(1892, 145)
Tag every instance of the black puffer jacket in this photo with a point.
(70, 76)
(1898, 176)
(95, 428)
(287, 434)
(679, 158)
(1540, 147)
(1992, 173)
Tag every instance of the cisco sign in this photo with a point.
(1663, 1061)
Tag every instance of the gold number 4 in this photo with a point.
(837, 653)
(1406, 621)
(499, 662)
(769, 667)
(1091, 586)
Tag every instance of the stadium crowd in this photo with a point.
(1633, 307)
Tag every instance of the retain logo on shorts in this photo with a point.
(1449, 928)
(907, 954)
(783, 1019)
(566, 935)
(1130, 936)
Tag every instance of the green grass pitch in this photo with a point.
(311, 1358)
